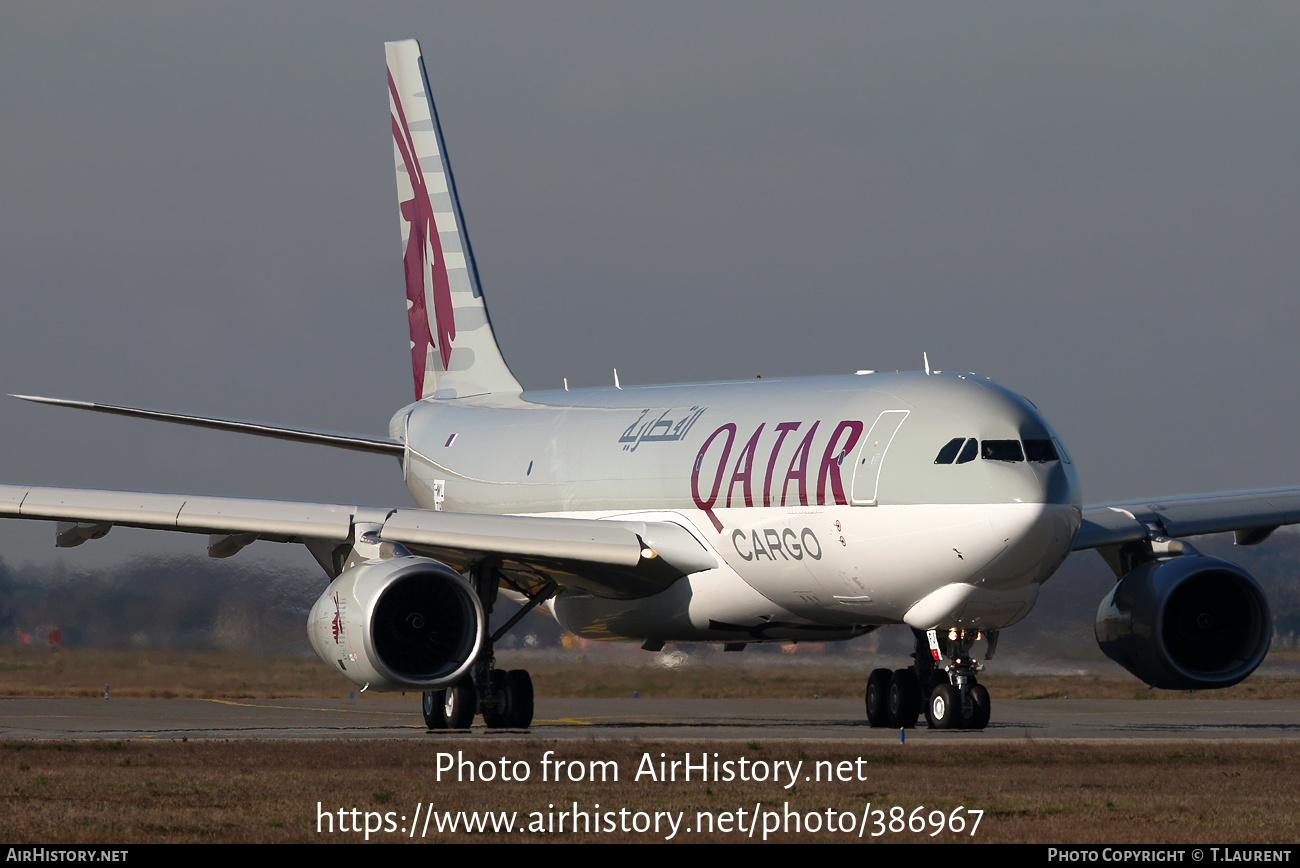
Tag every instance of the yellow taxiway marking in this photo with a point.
(1200, 712)
(305, 708)
(569, 720)
(572, 720)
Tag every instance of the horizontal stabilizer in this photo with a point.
(356, 442)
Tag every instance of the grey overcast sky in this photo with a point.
(1094, 204)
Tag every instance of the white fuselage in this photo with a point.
(822, 499)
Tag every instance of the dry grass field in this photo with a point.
(1038, 792)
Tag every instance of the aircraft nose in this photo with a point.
(1058, 483)
(1038, 537)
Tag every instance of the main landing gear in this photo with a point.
(950, 697)
(504, 698)
(454, 707)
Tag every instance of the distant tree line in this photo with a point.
(195, 602)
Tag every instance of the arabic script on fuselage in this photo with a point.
(664, 428)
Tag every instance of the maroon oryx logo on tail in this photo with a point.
(423, 236)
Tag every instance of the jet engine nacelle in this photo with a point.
(1186, 623)
(405, 623)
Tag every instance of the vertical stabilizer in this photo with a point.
(453, 350)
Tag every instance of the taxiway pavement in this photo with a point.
(399, 717)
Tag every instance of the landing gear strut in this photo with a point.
(956, 700)
(505, 699)
(949, 697)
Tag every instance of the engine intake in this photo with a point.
(1186, 623)
(405, 623)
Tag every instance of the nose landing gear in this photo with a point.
(957, 700)
(950, 697)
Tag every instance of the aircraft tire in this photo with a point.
(877, 697)
(904, 699)
(519, 689)
(499, 718)
(431, 705)
(457, 707)
(980, 707)
(943, 711)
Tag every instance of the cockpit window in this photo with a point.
(949, 451)
(1065, 456)
(1040, 450)
(1002, 450)
(968, 454)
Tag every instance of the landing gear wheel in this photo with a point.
(878, 697)
(904, 699)
(943, 711)
(519, 689)
(431, 705)
(457, 706)
(980, 707)
(498, 718)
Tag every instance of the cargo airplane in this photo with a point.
(733, 513)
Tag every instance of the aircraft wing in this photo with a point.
(1250, 515)
(356, 442)
(606, 558)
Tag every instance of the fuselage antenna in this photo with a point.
(616, 385)
(926, 358)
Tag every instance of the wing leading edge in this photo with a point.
(1250, 515)
(606, 558)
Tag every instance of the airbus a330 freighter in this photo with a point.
(758, 511)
